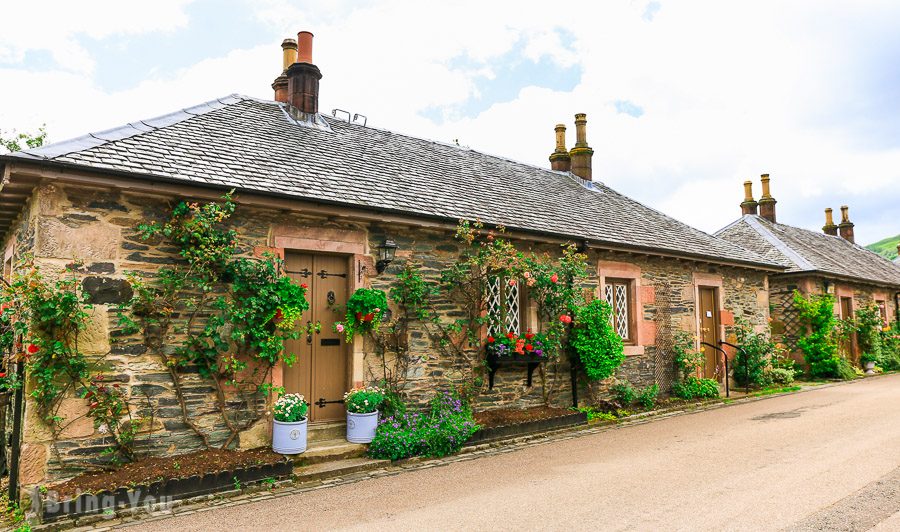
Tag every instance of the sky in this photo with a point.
(685, 100)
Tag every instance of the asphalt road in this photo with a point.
(826, 459)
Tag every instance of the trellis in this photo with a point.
(664, 362)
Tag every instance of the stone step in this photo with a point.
(329, 451)
(337, 468)
(326, 430)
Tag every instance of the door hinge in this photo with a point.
(302, 273)
(324, 273)
(322, 402)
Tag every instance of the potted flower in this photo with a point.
(289, 430)
(868, 362)
(362, 413)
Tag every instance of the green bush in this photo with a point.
(890, 348)
(623, 392)
(694, 388)
(596, 342)
(647, 397)
(750, 361)
(781, 376)
(820, 344)
(844, 369)
(868, 326)
(443, 430)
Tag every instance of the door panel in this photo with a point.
(320, 371)
(848, 345)
(330, 355)
(709, 330)
(298, 377)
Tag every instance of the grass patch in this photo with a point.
(773, 391)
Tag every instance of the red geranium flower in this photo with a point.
(554, 278)
(279, 316)
(565, 318)
(490, 339)
(529, 335)
(2, 374)
(304, 285)
(32, 349)
(369, 317)
(529, 347)
(510, 335)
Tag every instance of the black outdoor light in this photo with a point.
(386, 252)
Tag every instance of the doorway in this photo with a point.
(848, 344)
(709, 330)
(320, 369)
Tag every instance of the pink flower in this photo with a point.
(565, 318)
(339, 327)
(526, 275)
(512, 282)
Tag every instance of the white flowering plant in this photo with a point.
(290, 408)
(364, 400)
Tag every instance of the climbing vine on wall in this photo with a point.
(228, 315)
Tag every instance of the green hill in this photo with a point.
(887, 247)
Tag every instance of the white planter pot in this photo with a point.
(361, 427)
(870, 368)
(289, 438)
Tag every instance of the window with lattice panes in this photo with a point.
(617, 293)
(505, 307)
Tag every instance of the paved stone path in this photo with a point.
(826, 459)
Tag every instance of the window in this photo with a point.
(617, 293)
(504, 306)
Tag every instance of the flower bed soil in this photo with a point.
(508, 423)
(160, 479)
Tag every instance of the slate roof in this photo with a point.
(254, 145)
(802, 250)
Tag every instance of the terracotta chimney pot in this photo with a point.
(845, 228)
(304, 47)
(303, 78)
(748, 206)
(560, 159)
(829, 228)
(766, 201)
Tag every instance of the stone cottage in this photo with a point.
(346, 205)
(827, 262)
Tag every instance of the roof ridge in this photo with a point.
(782, 247)
(131, 129)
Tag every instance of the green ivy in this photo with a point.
(595, 341)
(820, 343)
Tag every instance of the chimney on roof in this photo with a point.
(845, 228)
(829, 228)
(560, 159)
(766, 201)
(303, 77)
(581, 154)
(748, 206)
(289, 57)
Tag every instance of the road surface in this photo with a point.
(827, 459)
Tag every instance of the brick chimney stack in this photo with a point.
(748, 206)
(582, 153)
(289, 57)
(303, 77)
(766, 201)
(845, 228)
(829, 228)
(560, 159)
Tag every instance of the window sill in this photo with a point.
(634, 350)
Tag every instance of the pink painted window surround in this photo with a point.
(624, 279)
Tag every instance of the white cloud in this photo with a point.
(728, 90)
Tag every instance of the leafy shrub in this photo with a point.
(820, 344)
(596, 342)
(392, 405)
(845, 370)
(890, 348)
(365, 310)
(290, 408)
(363, 400)
(647, 397)
(593, 414)
(687, 358)
(868, 326)
(441, 431)
(623, 392)
(750, 361)
(781, 376)
(694, 388)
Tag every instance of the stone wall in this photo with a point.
(98, 226)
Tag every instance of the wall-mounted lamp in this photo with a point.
(829, 287)
(386, 252)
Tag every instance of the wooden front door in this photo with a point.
(709, 330)
(320, 371)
